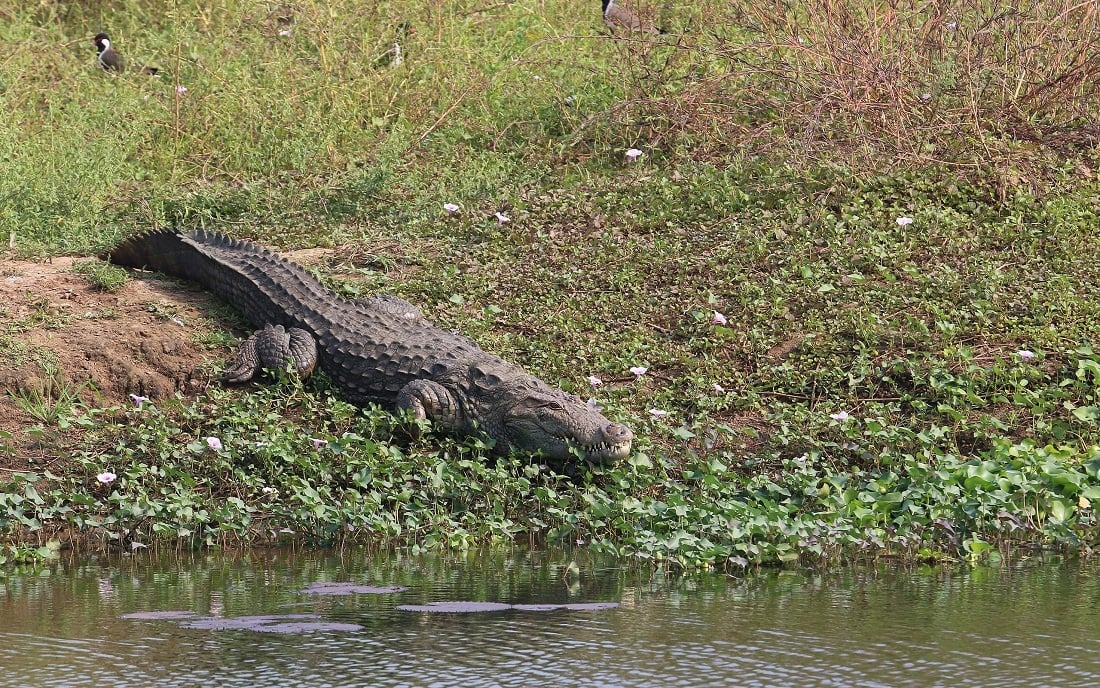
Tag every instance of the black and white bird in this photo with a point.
(394, 54)
(110, 60)
(617, 15)
(108, 57)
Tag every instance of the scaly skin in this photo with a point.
(379, 350)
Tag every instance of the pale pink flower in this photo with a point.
(138, 400)
(719, 319)
(633, 154)
(502, 218)
(106, 477)
(318, 443)
(657, 413)
(181, 89)
(1025, 354)
(450, 208)
(839, 415)
(904, 221)
(639, 370)
(594, 381)
(214, 443)
(719, 388)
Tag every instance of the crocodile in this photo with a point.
(377, 350)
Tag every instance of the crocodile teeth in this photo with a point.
(605, 450)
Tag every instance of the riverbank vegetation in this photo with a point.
(841, 286)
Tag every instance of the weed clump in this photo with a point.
(102, 275)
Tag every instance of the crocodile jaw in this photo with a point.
(563, 428)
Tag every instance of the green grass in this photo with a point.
(780, 151)
(102, 275)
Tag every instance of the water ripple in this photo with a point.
(859, 631)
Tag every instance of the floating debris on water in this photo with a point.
(455, 607)
(349, 588)
(176, 614)
(458, 607)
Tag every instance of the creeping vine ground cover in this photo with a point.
(840, 281)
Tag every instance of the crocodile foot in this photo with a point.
(272, 348)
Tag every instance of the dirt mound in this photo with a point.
(59, 334)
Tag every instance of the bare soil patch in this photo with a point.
(152, 338)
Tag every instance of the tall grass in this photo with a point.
(965, 84)
(281, 112)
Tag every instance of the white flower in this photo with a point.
(1025, 354)
(214, 443)
(719, 319)
(594, 381)
(719, 388)
(285, 33)
(657, 413)
(840, 415)
(268, 490)
(450, 208)
(633, 154)
(904, 221)
(639, 370)
(951, 25)
(502, 218)
(106, 477)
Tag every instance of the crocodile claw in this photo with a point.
(273, 348)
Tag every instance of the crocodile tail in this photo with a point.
(264, 287)
(163, 250)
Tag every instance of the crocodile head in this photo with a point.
(558, 426)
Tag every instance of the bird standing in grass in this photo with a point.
(108, 57)
(618, 15)
(394, 55)
(110, 60)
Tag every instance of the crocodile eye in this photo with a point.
(550, 411)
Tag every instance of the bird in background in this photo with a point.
(618, 15)
(394, 55)
(110, 59)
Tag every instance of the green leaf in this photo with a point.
(1061, 509)
(683, 433)
(1088, 414)
(1091, 493)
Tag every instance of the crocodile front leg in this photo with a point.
(272, 348)
(431, 401)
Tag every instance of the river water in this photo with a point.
(73, 624)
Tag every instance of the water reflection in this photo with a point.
(1029, 626)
